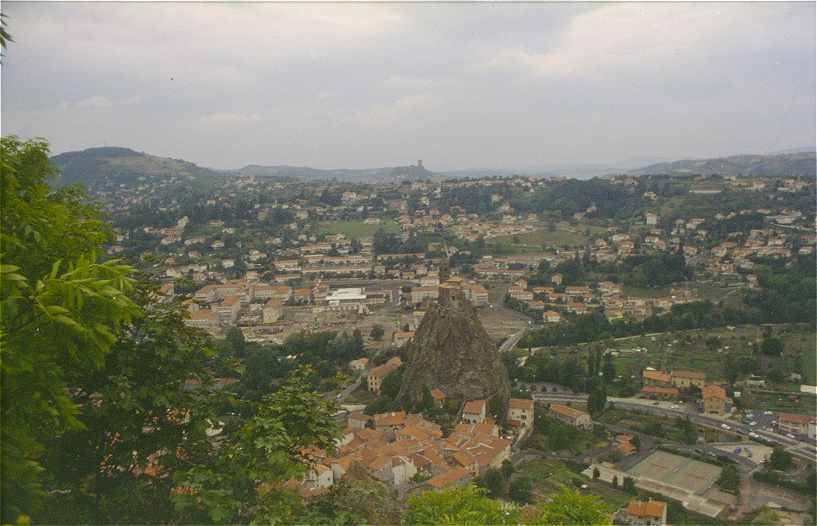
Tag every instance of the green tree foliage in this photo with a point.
(780, 459)
(61, 312)
(787, 292)
(730, 478)
(142, 422)
(493, 481)
(571, 508)
(521, 490)
(245, 480)
(629, 485)
(507, 469)
(377, 333)
(772, 346)
(466, 505)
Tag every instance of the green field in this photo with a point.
(357, 229)
(563, 235)
(551, 476)
(694, 350)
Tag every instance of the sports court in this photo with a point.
(681, 472)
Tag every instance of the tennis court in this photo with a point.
(674, 470)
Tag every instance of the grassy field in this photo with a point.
(357, 229)
(551, 476)
(696, 350)
(562, 235)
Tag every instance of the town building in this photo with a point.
(714, 398)
(272, 311)
(644, 513)
(520, 410)
(570, 416)
(474, 411)
(795, 424)
(375, 377)
(687, 379)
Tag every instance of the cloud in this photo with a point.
(657, 39)
(368, 84)
(227, 120)
(401, 111)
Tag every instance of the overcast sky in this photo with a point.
(457, 85)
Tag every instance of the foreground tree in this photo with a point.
(246, 479)
(60, 309)
(466, 505)
(147, 414)
(570, 508)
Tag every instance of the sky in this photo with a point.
(459, 85)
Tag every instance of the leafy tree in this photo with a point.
(730, 478)
(236, 342)
(596, 473)
(521, 490)
(391, 384)
(61, 311)
(609, 368)
(615, 481)
(466, 505)
(377, 333)
(271, 447)
(597, 399)
(493, 482)
(780, 459)
(772, 346)
(136, 410)
(570, 508)
(507, 469)
(629, 485)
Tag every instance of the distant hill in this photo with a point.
(799, 164)
(399, 173)
(96, 165)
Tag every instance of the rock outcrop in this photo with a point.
(451, 351)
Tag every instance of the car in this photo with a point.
(724, 426)
(790, 436)
(752, 423)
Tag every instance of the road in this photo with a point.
(512, 340)
(803, 450)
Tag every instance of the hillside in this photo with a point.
(96, 165)
(368, 175)
(798, 164)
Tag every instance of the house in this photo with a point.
(653, 377)
(570, 416)
(400, 338)
(661, 393)
(227, 310)
(272, 310)
(420, 294)
(451, 477)
(438, 396)
(359, 365)
(551, 316)
(687, 379)
(521, 410)
(624, 444)
(390, 421)
(203, 319)
(644, 513)
(714, 398)
(795, 424)
(375, 377)
(474, 411)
